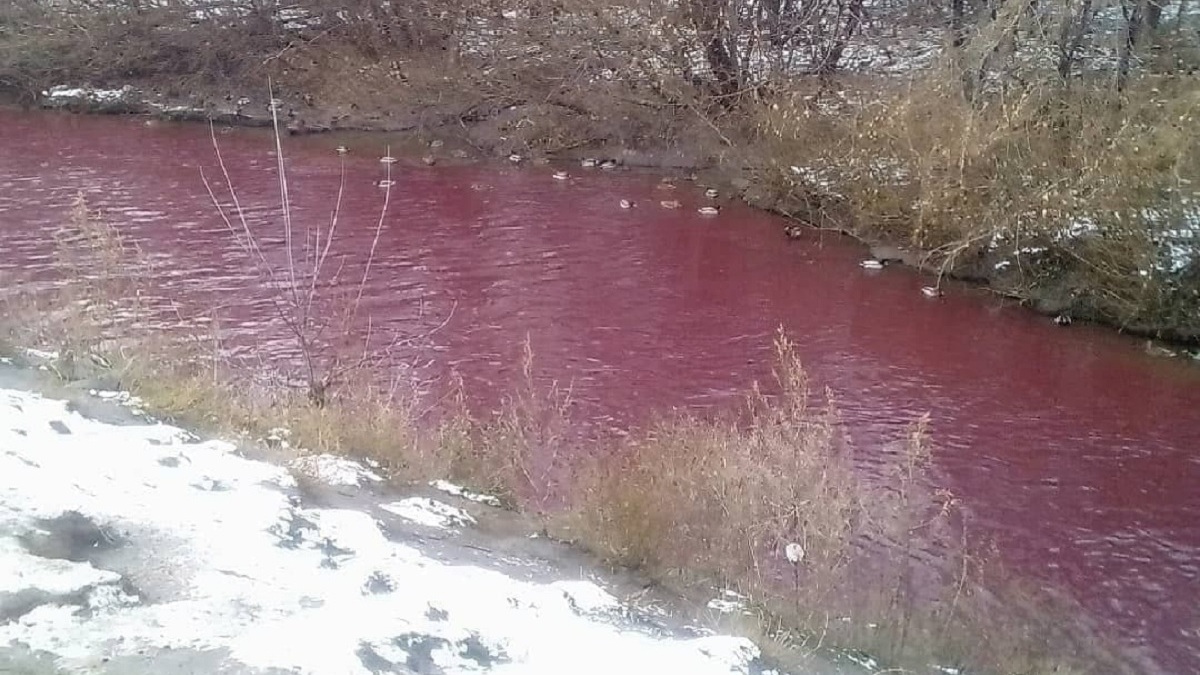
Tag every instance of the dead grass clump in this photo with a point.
(513, 453)
(1039, 183)
(770, 503)
(369, 422)
(780, 475)
(94, 310)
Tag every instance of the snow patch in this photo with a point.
(41, 354)
(66, 93)
(729, 602)
(22, 571)
(334, 470)
(278, 437)
(1081, 226)
(135, 404)
(817, 178)
(584, 597)
(430, 513)
(860, 659)
(737, 654)
(451, 488)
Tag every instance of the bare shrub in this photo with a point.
(309, 297)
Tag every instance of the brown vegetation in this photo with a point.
(769, 502)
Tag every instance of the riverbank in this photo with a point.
(1036, 153)
(131, 546)
(1064, 264)
(1039, 154)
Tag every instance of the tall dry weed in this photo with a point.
(516, 451)
(770, 501)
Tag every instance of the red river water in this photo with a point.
(1071, 447)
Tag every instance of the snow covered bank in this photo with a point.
(124, 548)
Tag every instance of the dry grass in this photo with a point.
(756, 474)
(770, 502)
(515, 452)
(1076, 187)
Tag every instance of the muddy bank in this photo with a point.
(449, 134)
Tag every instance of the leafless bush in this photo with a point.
(310, 298)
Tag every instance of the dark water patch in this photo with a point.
(292, 531)
(378, 583)
(72, 536)
(372, 661)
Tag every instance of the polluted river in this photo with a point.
(1070, 447)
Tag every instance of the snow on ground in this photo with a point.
(135, 404)
(430, 513)
(41, 354)
(451, 488)
(334, 470)
(126, 547)
(729, 602)
(67, 93)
